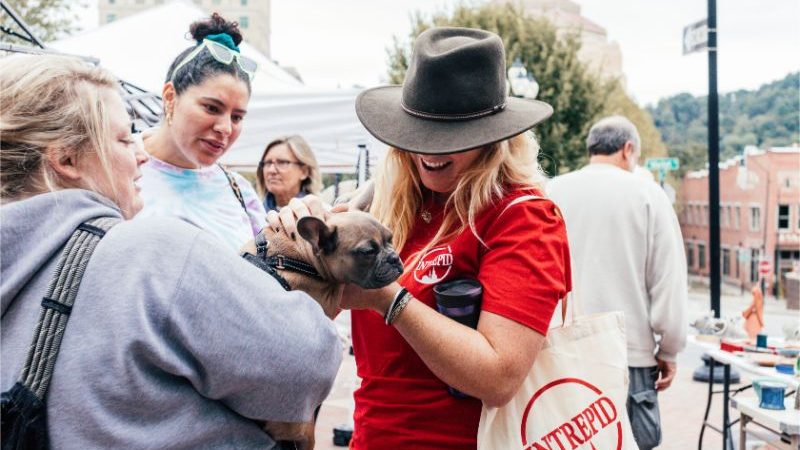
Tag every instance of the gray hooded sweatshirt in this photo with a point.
(173, 342)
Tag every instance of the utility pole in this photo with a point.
(713, 159)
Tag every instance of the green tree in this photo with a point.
(46, 19)
(766, 117)
(577, 96)
(618, 102)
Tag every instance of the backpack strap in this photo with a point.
(234, 187)
(57, 303)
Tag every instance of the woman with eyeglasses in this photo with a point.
(205, 99)
(287, 169)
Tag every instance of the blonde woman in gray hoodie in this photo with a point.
(173, 341)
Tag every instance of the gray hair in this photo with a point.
(610, 134)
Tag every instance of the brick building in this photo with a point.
(759, 217)
(597, 52)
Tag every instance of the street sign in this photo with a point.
(665, 164)
(764, 267)
(695, 37)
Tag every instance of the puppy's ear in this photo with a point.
(321, 237)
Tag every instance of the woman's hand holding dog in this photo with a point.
(286, 219)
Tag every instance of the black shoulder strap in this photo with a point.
(260, 260)
(234, 187)
(57, 303)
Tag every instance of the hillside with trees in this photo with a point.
(767, 117)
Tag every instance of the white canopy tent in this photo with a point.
(140, 48)
(327, 120)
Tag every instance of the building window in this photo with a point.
(110, 18)
(755, 218)
(783, 217)
(754, 259)
(737, 217)
(738, 256)
(111, 2)
(244, 21)
(689, 255)
(701, 256)
(726, 262)
(244, 2)
(705, 214)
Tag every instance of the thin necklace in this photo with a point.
(426, 216)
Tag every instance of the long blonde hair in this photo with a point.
(49, 104)
(302, 151)
(399, 191)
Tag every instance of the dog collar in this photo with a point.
(271, 264)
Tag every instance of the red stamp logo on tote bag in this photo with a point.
(596, 425)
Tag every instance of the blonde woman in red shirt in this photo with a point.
(461, 192)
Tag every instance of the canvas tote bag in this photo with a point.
(574, 396)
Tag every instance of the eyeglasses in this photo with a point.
(280, 164)
(221, 54)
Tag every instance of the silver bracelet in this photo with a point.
(399, 307)
(397, 295)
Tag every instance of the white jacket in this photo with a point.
(627, 254)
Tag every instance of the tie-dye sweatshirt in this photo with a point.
(202, 197)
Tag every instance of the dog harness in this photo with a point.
(271, 264)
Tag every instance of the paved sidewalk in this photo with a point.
(682, 405)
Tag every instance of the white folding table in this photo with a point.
(726, 360)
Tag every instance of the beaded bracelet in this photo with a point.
(398, 307)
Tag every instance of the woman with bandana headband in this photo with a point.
(205, 99)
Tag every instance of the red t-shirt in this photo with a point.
(524, 272)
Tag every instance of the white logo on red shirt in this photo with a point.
(434, 266)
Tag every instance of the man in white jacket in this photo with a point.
(627, 254)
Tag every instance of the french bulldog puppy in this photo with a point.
(348, 247)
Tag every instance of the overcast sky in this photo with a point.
(343, 42)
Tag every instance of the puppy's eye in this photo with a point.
(367, 251)
(370, 249)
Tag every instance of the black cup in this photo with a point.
(460, 300)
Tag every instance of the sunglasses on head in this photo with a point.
(221, 54)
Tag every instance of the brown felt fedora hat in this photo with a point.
(453, 99)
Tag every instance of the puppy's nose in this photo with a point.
(393, 258)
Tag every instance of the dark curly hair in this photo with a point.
(204, 65)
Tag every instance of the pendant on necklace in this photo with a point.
(426, 216)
